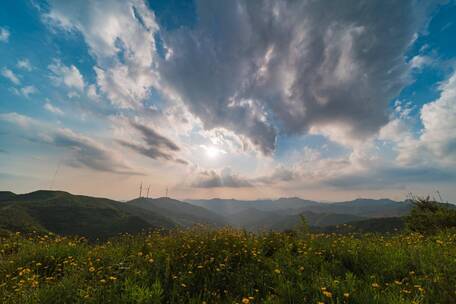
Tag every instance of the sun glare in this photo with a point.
(212, 152)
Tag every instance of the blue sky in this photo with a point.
(320, 100)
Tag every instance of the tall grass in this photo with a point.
(201, 265)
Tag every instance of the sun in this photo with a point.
(212, 152)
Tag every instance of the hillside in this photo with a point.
(182, 213)
(67, 214)
(201, 265)
(373, 225)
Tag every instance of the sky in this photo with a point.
(324, 100)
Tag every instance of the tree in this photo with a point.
(429, 216)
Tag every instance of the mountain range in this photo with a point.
(98, 218)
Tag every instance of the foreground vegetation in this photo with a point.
(201, 265)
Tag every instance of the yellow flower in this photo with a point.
(102, 281)
(346, 295)
(92, 269)
(245, 301)
(327, 294)
(151, 260)
(112, 278)
(277, 271)
(375, 285)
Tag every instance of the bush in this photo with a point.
(429, 216)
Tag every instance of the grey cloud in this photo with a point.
(156, 146)
(88, 153)
(85, 151)
(391, 177)
(263, 67)
(213, 179)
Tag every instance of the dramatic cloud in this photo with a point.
(226, 179)
(67, 75)
(300, 64)
(84, 151)
(7, 73)
(120, 36)
(154, 145)
(4, 35)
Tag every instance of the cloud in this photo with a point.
(226, 179)
(67, 75)
(53, 109)
(7, 73)
(28, 90)
(83, 151)
(24, 64)
(391, 177)
(420, 61)
(287, 67)
(154, 145)
(4, 34)
(120, 36)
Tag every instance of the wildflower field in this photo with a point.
(202, 265)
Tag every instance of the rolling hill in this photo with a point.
(67, 214)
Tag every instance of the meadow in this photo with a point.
(204, 265)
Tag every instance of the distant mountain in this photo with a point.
(284, 213)
(182, 213)
(67, 214)
(231, 206)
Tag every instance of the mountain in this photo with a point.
(67, 214)
(182, 213)
(231, 206)
(284, 213)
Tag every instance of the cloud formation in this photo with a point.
(225, 179)
(66, 75)
(120, 36)
(83, 151)
(263, 67)
(154, 146)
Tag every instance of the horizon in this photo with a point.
(324, 101)
(214, 198)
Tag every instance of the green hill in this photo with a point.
(67, 214)
(373, 225)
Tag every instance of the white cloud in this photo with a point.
(4, 34)
(120, 35)
(24, 64)
(53, 109)
(7, 73)
(28, 90)
(92, 92)
(67, 75)
(420, 61)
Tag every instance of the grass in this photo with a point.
(201, 265)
